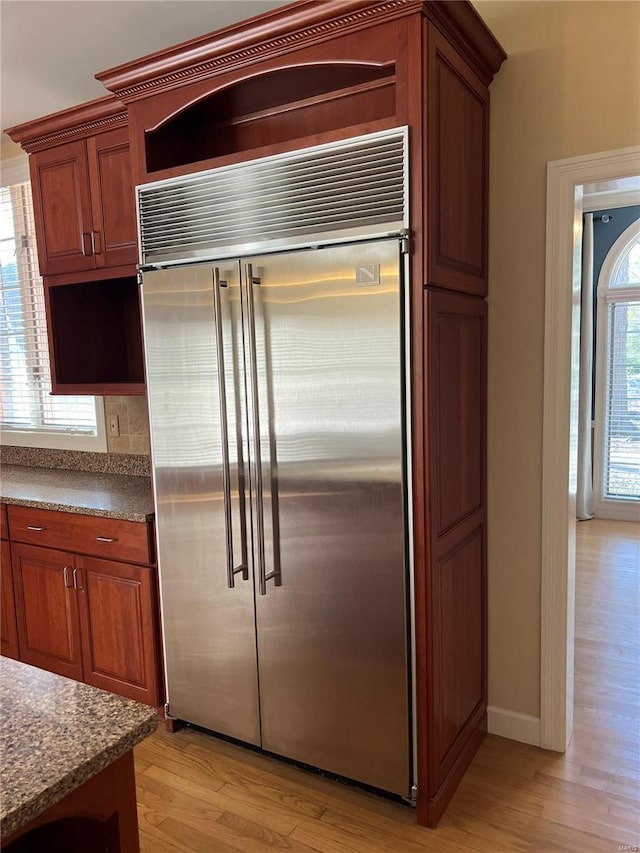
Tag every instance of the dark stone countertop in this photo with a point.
(55, 734)
(83, 492)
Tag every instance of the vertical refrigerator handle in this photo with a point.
(263, 577)
(256, 431)
(243, 568)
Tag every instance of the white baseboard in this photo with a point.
(512, 725)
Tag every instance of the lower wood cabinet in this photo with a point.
(47, 609)
(85, 617)
(119, 650)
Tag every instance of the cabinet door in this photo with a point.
(112, 199)
(118, 628)
(47, 609)
(8, 632)
(62, 207)
(456, 191)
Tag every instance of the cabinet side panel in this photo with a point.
(456, 572)
(457, 340)
(8, 631)
(457, 591)
(458, 107)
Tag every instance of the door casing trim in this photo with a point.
(559, 451)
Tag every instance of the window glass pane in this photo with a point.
(622, 434)
(628, 273)
(26, 403)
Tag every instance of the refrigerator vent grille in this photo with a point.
(346, 190)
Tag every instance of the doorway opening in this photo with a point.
(566, 180)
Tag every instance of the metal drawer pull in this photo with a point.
(75, 580)
(65, 577)
(33, 527)
(105, 539)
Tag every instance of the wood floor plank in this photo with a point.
(260, 797)
(271, 816)
(200, 794)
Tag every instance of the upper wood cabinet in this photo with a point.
(62, 208)
(457, 171)
(86, 235)
(113, 206)
(82, 187)
(84, 204)
(311, 73)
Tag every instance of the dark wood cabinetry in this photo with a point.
(118, 632)
(47, 609)
(453, 603)
(113, 208)
(457, 170)
(313, 73)
(84, 204)
(305, 74)
(86, 234)
(95, 337)
(82, 616)
(62, 208)
(82, 186)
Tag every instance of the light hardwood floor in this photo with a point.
(197, 794)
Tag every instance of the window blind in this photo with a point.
(622, 389)
(26, 403)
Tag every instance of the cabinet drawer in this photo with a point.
(82, 534)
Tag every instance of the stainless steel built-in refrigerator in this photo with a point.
(276, 395)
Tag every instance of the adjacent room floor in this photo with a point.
(202, 795)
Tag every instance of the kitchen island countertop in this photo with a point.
(84, 492)
(56, 734)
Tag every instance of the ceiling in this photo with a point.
(50, 49)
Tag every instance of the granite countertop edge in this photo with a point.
(116, 496)
(27, 811)
(128, 515)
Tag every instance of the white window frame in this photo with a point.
(608, 507)
(60, 440)
(15, 170)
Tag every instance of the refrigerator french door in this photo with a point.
(276, 395)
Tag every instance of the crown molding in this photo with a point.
(273, 34)
(293, 27)
(463, 27)
(74, 123)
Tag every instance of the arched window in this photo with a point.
(617, 438)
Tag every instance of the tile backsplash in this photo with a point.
(133, 422)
